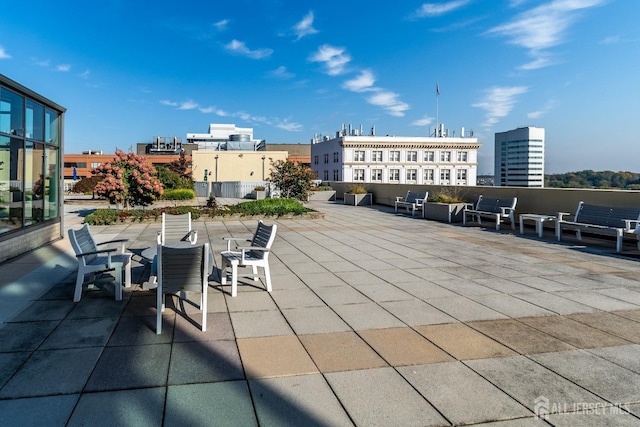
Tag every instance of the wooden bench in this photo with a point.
(606, 220)
(497, 209)
(412, 201)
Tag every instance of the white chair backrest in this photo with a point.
(175, 228)
(264, 237)
(184, 268)
(82, 242)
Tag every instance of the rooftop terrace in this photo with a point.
(375, 319)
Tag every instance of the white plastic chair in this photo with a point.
(255, 255)
(176, 228)
(182, 270)
(92, 260)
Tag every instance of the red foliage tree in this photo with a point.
(128, 181)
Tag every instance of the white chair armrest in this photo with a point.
(110, 242)
(561, 215)
(159, 238)
(234, 239)
(399, 198)
(193, 237)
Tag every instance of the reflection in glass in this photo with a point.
(11, 195)
(51, 120)
(11, 113)
(34, 184)
(34, 120)
(51, 190)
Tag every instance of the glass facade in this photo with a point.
(30, 143)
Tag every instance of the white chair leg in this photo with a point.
(127, 275)
(118, 283)
(254, 269)
(223, 271)
(234, 279)
(267, 277)
(159, 309)
(77, 294)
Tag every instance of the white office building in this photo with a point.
(354, 157)
(519, 158)
(223, 136)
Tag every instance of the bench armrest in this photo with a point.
(468, 206)
(561, 215)
(399, 198)
(628, 225)
(506, 211)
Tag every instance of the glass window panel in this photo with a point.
(34, 183)
(51, 187)
(11, 187)
(11, 112)
(34, 121)
(51, 127)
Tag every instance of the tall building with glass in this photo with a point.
(31, 147)
(519, 158)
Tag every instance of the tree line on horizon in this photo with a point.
(594, 179)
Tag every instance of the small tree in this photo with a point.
(128, 180)
(292, 179)
(182, 166)
(86, 185)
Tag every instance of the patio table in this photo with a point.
(539, 219)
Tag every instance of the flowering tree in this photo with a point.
(128, 180)
(292, 179)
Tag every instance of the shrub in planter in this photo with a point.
(179, 194)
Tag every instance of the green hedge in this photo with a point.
(179, 194)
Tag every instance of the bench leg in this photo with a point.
(497, 222)
(619, 241)
(234, 279)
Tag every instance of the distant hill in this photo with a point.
(592, 179)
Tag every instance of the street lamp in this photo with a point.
(216, 167)
(263, 157)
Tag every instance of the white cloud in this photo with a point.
(437, 9)
(549, 105)
(362, 83)
(4, 54)
(221, 25)
(334, 58)
(542, 28)
(425, 121)
(85, 74)
(281, 73)
(291, 127)
(498, 102)
(168, 103)
(63, 67)
(240, 48)
(187, 105)
(305, 26)
(390, 102)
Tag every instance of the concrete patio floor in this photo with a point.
(374, 319)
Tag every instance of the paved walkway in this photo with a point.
(375, 319)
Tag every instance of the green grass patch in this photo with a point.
(179, 194)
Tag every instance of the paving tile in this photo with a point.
(268, 357)
(622, 294)
(416, 312)
(322, 280)
(144, 407)
(511, 306)
(403, 346)
(464, 309)
(520, 337)
(598, 300)
(75, 333)
(612, 324)
(463, 342)
(206, 361)
(44, 310)
(597, 417)
(546, 284)
(369, 404)
(528, 382)
(131, 367)
(518, 422)
(334, 295)
(303, 400)
(340, 351)
(296, 298)
(56, 372)
(504, 285)
(629, 314)
(367, 316)
(218, 328)
(627, 356)
(225, 403)
(9, 364)
(423, 289)
(259, 324)
(554, 303)
(314, 320)
(251, 301)
(574, 333)
(37, 411)
(606, 379)
(383, 292)
(446, 385)
(25, 336)
(142, 331)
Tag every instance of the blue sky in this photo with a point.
(129, 70)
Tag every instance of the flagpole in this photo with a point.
(437, 106)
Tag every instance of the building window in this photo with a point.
(336, 157)
(336, 175)
(445, 176)
(316, 159)
(376, 156)
(462, 176)
(412, 175)
(358, 156)
(75, 164)
(325, 175)
(462, 156)
(428, 156)
(326, 158)
(376, 175)
(412, 156)
(428, 176)
(394, 175)
(358, 175)
(95, 165)
(445, 156)
(394, 156)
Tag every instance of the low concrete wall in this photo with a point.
(29, 239)
(530, 200)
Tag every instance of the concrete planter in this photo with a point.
(258, 194)
(322, 195)
(446, 212)
(358, 199)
